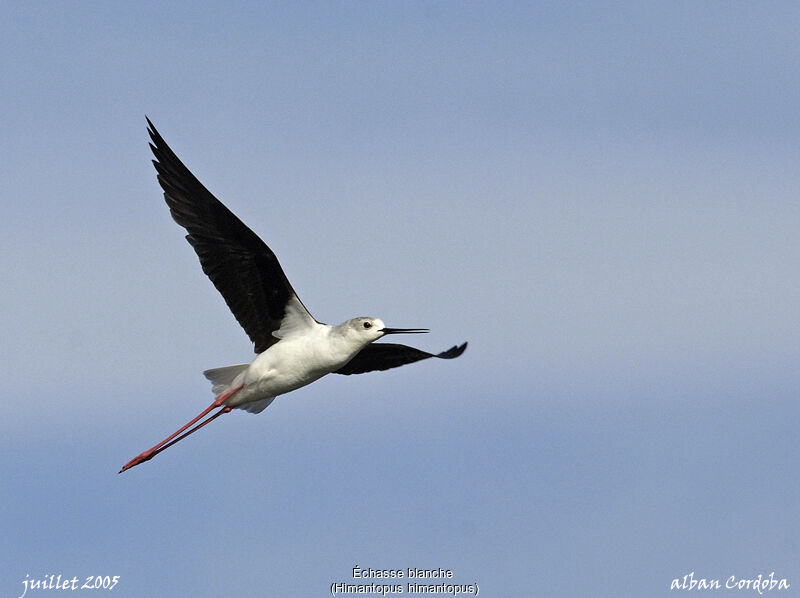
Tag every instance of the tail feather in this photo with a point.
(223, 379)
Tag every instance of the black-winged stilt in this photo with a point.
(293, 348)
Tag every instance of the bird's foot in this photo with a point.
(145, 456)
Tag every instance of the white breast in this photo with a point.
(293, 362)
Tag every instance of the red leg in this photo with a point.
(192, 431)
(152, 452)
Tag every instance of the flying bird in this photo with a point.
(293, 348)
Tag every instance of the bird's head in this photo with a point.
(371, 329)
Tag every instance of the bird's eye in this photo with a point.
(367, 324)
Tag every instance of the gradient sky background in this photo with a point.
(601, 198)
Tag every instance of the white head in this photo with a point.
(366, 330)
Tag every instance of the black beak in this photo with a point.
(403, 330)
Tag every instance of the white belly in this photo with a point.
(286, 366)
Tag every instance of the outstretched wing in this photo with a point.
(384, 356)
(241, 266)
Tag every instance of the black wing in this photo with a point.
(384, 356)
(241, 266)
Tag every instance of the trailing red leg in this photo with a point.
(168, 441)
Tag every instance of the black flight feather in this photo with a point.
(241, 266)
(385, 356)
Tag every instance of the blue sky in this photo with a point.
(601, 198)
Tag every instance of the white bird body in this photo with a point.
(297, 360)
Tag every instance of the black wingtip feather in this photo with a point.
(453, 352)
(151, 128)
